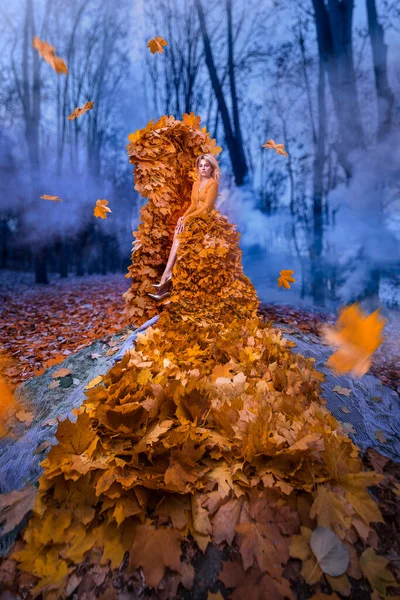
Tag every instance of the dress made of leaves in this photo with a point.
(210, 427)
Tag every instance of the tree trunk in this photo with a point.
(334, 36)
(41, 266)
(3, 243)
(384, 93)
(235, 149)
(31, 93)
(234, 99)
(318, 285)
(63, 258)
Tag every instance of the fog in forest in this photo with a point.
(253, 71)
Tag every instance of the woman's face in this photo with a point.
(205, 168)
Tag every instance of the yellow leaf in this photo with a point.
(374, 569)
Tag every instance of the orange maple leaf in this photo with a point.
(285, 278)
(135, 137)
(280, 149)
(156, 44)
(77, 112)
(357, 336)
(192, 120)
(101, 209)
(47, 51)
(53, 198)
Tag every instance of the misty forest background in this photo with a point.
(320, 76)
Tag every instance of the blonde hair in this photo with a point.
(210, 158)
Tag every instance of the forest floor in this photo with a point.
(41, 325)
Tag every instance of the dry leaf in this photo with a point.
(14, 506)
(53, 385)
(348, 428)
(357, 337)
(77, 112)
(332, 555)
(53, 198)
(101, 209)
(156, 45)
(280, 149)
(342, 390)
(374, 569)
(94, 382)
(47, 51)
(25, 416)
(61, 373)
(380, 436)
(285, 278)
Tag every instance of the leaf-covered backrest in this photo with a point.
(164, 155)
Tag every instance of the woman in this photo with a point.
(204, 194)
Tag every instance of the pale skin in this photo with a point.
(205, 172)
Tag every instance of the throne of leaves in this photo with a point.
(164, 155)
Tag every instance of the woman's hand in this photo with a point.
(180, 225)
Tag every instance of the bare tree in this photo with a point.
(175, 82)
(384, 93)
(334, 37)
(232, 137)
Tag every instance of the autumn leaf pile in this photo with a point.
(164, 154)
(210, 427)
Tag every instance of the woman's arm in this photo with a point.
(209, 202)
(192, 207)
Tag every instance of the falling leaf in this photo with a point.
(280, 149)
(14, 506)
(101, 209)
(374, 569)
(53, 198)
(47, 51)
(357, 337)
(77, 112)
(380, 436)
(156, 44)
(332, 555)
(285, 278)
(342, 390)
